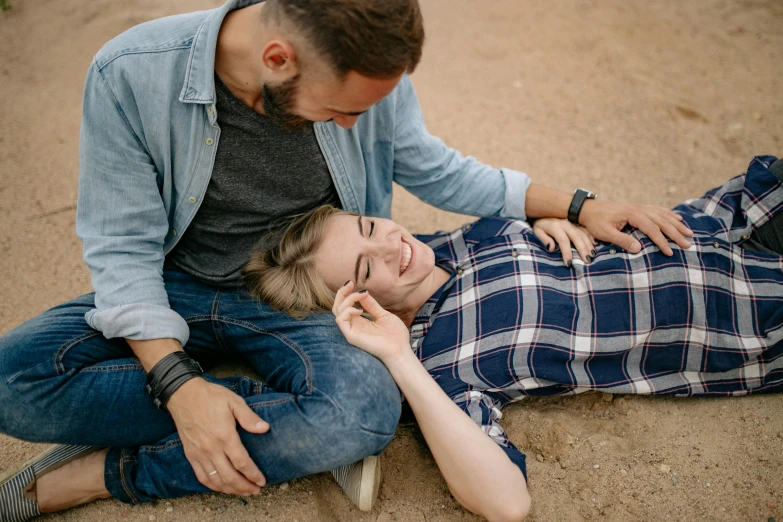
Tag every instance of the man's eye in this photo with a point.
(372, 227)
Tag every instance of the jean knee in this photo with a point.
(369, 399)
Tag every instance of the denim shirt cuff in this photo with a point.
(139, 322)
(516, 189)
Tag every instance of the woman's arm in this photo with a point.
(478, 472)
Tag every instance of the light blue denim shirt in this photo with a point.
(148, 140)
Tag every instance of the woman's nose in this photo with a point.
(386, 248)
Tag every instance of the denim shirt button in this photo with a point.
(514, 254)
(716, 244)
(459, 271)
(173, 232)
(612, 251)
(192, 199)
(745, 237)
(209, 141)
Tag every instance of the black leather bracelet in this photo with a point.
(169, 374)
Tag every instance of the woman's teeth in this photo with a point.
(405, 259)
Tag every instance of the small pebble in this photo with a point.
(284, 486)
(310, 493)
(708, 484)
(220, 510)
(170, 509)
(665, 468)
(151, 518)
(771, 519)
(242, 501)
(772, 505)
(596, 466)
(539, 457)
(623, 472)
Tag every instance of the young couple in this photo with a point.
(188, 124)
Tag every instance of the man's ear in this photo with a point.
(279, 57)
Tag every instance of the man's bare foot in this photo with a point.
(78, 482)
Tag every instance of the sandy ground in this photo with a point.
(641, 101)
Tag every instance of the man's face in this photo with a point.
(301, 100)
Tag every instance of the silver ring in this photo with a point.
(213, 473)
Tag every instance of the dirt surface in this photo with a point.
(640, 101)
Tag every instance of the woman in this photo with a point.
(493, 314)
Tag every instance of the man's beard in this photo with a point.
(278, 103)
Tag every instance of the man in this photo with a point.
(197, 139)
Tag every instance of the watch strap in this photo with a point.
(580, 196)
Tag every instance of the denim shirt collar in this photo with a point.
(199, 84)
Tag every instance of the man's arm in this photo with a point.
(122, 222)
(605, 219)
(443, 177)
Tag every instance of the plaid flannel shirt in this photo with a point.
(514, 321)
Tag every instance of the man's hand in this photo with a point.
(206, 416)
(605, 220)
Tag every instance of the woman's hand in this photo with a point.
(385, 337)
(562, 233)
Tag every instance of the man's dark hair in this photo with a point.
(375, 38)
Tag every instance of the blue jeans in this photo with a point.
(327, 403)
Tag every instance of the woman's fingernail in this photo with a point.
(548, 246)
(592, 252)
(363, 291)
(589, 259)
(346, 283)
(568, 263)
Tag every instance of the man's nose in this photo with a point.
(346, 122)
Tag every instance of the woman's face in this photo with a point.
(376, 254)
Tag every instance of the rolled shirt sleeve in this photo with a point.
(482, 409)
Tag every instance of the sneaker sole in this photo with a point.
(371, 481)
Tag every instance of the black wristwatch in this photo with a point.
(580, 196)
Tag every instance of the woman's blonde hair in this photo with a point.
(285, 276)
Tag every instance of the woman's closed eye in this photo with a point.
(369, 235)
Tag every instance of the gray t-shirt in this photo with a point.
(264, 175)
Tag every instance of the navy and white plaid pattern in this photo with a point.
(514, 321)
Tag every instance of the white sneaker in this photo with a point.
(360, 481)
